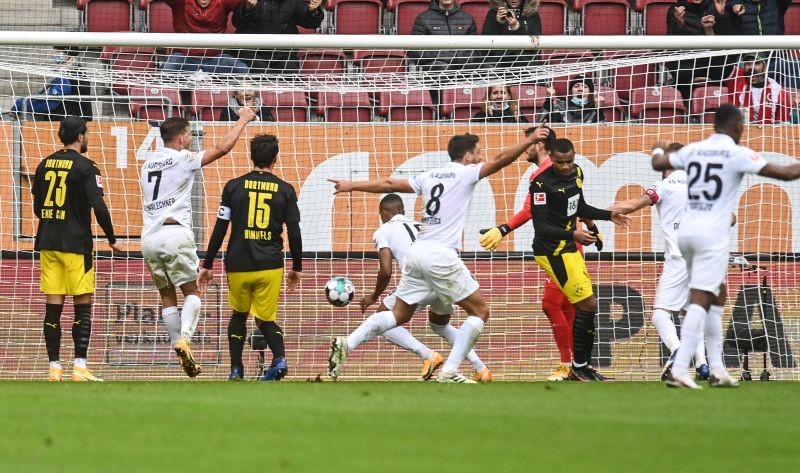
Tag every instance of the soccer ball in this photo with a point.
(339, 291)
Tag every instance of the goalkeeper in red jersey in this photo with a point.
(555, 304)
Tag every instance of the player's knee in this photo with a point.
(438, 319)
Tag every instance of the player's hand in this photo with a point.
(115, 247)
(583, 236)
(313, 4)
(341, 185)
(592, 227)
(491, 237)
(293, 280)
(540, 134)
(367, 301)
(205, 277)
(246, 114)
(620, 219)
(738, 9)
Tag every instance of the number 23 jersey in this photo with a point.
(714, 169)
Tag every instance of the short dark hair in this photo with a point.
(460, 145)
(563, 146)
(172, 127)
(551, 136)
(674, 147)
(726, 116)
(263, 150)
(70, 128)
(393, 200)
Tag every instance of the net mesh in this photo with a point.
(370, 114)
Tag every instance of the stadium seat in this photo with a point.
(658, 105)
(654, 14)
(561, 57)
(627, 78)
(344, 107)
(207, 105)
(603, 17)
(461, 104)
(130, 63)
(406, 105)
(302, 30)
(356, 16)
(531, 98)
(612, 108)
(405, 12)
(106, 15)
(380, 62)
(791, 20)
(157, 16)
(478, 10)
(706, 100)
(554, 17)
(288, 106)
(322, 61)
(157, 107)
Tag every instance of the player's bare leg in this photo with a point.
(440, 325)
(478, 313)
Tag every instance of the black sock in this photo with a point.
(237, 330)
(82, 329)
(52, 330)
(583, 336)
(274, 337)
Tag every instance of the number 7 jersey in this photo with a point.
(714, 169)
(167, 179)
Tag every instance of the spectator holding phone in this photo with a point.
(513, 17)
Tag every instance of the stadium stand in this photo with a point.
(288, 106)
(662, 105)
(356, 16)
(603, 17)
(159, 104)
(402, 105)
(344, 107)
(208, 104)
(706, 100)
(106, 15)
(157, 16)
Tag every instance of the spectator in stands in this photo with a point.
(275, 17)
(761, 98)
(66, 61)
(202, 16)
(759, 17)
(247, 98)
(499, 106)
(443, 17)
(706, 18)
(580, 106)
(513, 17)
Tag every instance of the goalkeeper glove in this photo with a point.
(599, 242)
(493, 236)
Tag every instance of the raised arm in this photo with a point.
(225, 145)
(509, 155)
(379, 186)
(786, 172)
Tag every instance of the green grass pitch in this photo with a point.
(396, 427)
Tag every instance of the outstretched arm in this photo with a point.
(632, 205)
(225, 145)
(788, 172)
(509, 155)
(380, 186)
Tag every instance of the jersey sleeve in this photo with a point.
(654, 192)
(749, 161)
(192, 161)
(677, 159)
(416, 183)
(292, 209)
(92, 182)
(224, 212)
(473, 173)
(523, 216)
(379, 239)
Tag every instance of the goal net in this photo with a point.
(374, 113)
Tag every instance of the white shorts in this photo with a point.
(171, 255)
(432, 301)
(672, 292)
(706, 260)
(434, 271)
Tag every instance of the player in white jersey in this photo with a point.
(168, 244)
(668, 195)
(433, 266)
(393, 240)
(714, 169)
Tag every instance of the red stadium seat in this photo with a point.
(706, 100)
(791, 20)
(157, 16)
(402, 105)
(658, 105)
(603, 17)
(461, 104)
(531, 98)
(380, 62)
(288, 106)
(322, 61)
(208, 105)
(106, 15)
(302, 30)
(478, 10)
(344, 107)
(627, 78)
(612, 109)
(554, 17)
(356, 16)
(405, 12)
(156, 108)
(130, 63)
(654, 15)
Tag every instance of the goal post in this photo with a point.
(377, 114)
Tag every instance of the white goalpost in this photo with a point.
(365, 107)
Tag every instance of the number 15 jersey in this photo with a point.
(714, 169)
(167, 180)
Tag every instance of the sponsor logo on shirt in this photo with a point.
(539, 198)
(99, 181)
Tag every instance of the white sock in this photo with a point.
(449, 334)
(172, 320)
(55, 364)
(190, 315)
(403, 339)
(700, 353)
(80, 363)
(691, 333)
(714, 339)
(467, 336)
(376, 324)
(666, 329)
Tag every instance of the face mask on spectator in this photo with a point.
(500, 105)
(580, 101)
(59, 58)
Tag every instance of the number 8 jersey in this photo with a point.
(714, 169)
(167, 180)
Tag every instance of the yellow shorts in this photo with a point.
(256, 292)
(568, 271)
(68, 274)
